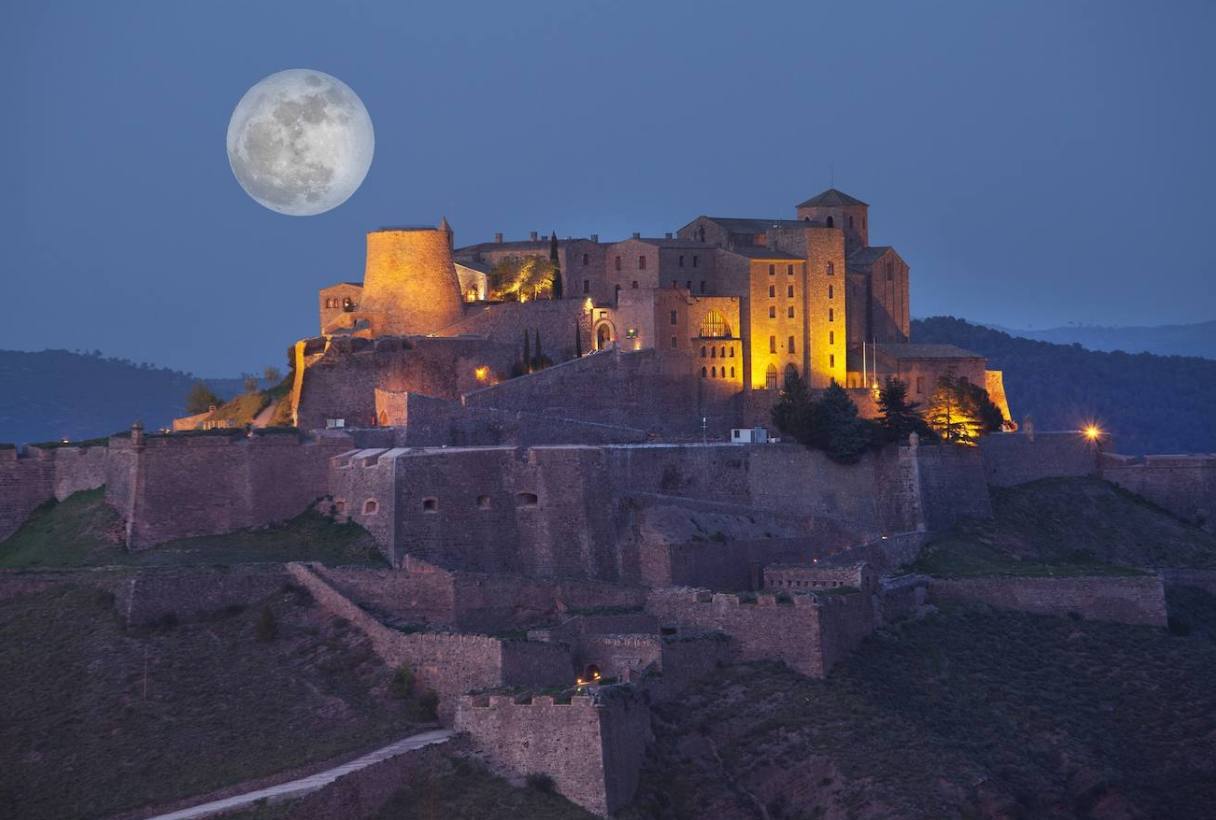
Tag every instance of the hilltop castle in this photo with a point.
(706, 324)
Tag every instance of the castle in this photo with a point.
(704, 325)
(588, 524)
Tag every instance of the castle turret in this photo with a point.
(409, 283)
(837, 209)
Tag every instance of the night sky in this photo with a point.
(1035, 163)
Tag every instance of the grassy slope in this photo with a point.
(963, 714)
(83, 531)
(1067, 526)
(79, 737)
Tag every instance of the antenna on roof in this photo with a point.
(832, 174)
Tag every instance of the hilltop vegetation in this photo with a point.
(100, 718)
(1071, 526)
(1150, 404)
(964, 714)
(1198, 339)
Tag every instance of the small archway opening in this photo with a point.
(603, 336)
(483, 502)
(430, 505)
(370, 506)
(526, 500)
(831, 222)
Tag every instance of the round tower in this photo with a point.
(409, 283)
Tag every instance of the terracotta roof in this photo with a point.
(831, 198)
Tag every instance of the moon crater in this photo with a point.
(300, 142)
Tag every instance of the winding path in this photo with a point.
(312, 783)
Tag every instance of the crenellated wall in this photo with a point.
(592, 747)
(808, 632)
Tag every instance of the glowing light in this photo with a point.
(1092, 432)
(482, 373)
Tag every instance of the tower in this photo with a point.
(837, 209)
(409, 282)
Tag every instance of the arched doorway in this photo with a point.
(603, 336)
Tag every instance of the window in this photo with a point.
(370, 506)
(831, 269)
(526, 500)
(430, 505)
(732, 372)
(832, 360)
(617, 263)
(694, 260)
(831, 337)
(722, 373)
(890, 270)
(681, 260)
(770, 377)
(586, 259)
(831, 314)
(790, 312)
(642, 263)
(703, 372)
(850, 223)
(831, 222)
(688, 285)
(772, 269)
(703, 351)
(586, 286)
(340, 506)
(790, 291)
(790, 345)
(674, 344)
(333, 424)
(483, 502)
(789, 270)
(635, 284)
(772, 344)
(732, 352)
(713, 372)
(920, 384)
(673, 317)
(722, 352)
(772, 291)
(713, 353)
(831, 291)
(772, 312)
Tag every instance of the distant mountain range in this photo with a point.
(56, 394)
(1150, 404)
(1164, 340)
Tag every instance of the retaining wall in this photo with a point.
(1184, 485)
(1136, 599)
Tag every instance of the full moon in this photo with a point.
(300, 142)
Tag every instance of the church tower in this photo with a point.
(837, 209)
(410, 286)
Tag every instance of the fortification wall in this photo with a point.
(622, 656)
(418, 595)
(1016, 458)
(557, 321)
(26, 482)
(952, 485)
(1184, 485)
(448, 664)
(1202, 578)
(74, 469)
(151, 594)
(181, 486)
(592, 747)
(903, 596)
(809, 633)
(1136, 599)
(685, 660)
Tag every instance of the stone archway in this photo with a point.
(604, 335)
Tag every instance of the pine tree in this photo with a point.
(556, 289)
(794, 412)
(846, 436)
(899, 417)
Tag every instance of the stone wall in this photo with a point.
(176, 486)
(1183, 485)
(557, 321)
(30, 479)
(952, 485)
(448, 664)
(1016, 458)
(808, 632)
(152, 594)
(592, 747)
(1136, 599)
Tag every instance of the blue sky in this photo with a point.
(1036, 163)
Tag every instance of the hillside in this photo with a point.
(1150, 404)
(56, 394)
(1197, 339)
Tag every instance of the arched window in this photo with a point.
(732, 372)
(430, 505)
(370, 506)
(702, 351)
(791, 373)
(714, 326)
(483, 502)
(770, 377)
(772, 312)
(713, 353)
(772, 291)
(586, 259)
(526, 500)
(789, 270)
(790, 312)
(703, 371)
(772, 270)
(722, 373)
(713, 372)
(722, 352)
(732, 353)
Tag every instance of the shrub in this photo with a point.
(540, 781)
(402, 684)
(267, 628)
(426, 706)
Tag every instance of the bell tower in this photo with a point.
(836, 209)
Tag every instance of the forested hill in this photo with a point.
(1150, 404)
(56, 394)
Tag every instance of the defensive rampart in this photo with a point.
(808, 632)
(592, 747)
(448, 664)
(31, 478)
(1183, 485)
(176, 486)
(1138, 599)
(1016, 458)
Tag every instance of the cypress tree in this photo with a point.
(537, 352)
(578, 342)
(527, 352)
(557, 268)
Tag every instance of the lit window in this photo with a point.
(732, 352)
(832, 360)
(790, 312)
(831, 269)
(790, 290)
(831, 337)
(714, 326)
(772, 269)
(732, 372)
(772, 291)
(831, 292)
(713, 372)
(770, 377)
